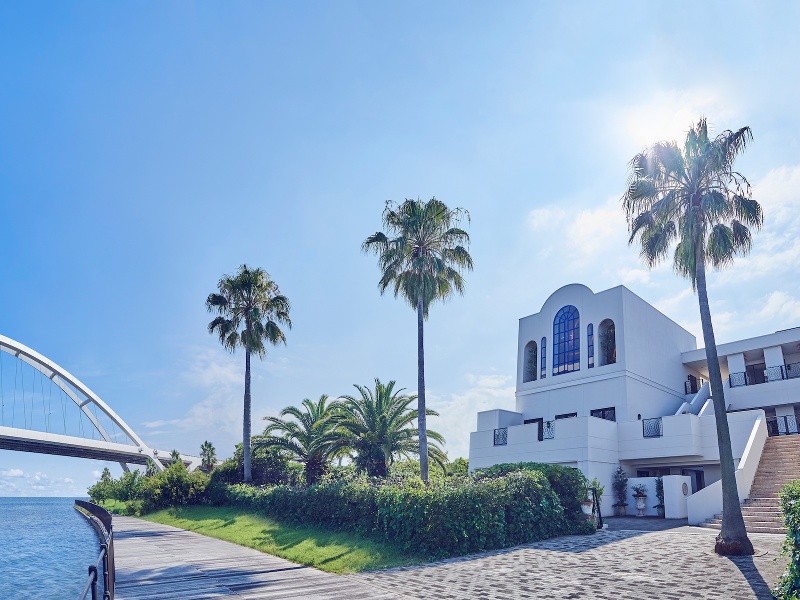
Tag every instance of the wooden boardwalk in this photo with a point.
(162, 562)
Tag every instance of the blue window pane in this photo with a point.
(566, 341)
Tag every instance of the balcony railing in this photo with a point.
(549, 430)
(501, 436)
(790, 371)
(786, 425)
(652, 428)
(692, 386)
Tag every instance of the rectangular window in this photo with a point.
(590, 343)
(609, 414)
(567, 416)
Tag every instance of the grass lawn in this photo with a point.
(332, 551)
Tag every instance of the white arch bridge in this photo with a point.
(50, 411)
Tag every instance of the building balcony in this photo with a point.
(766, 375)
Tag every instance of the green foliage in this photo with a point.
(660, 491)
(788, 587)
(639, 489)
(459, 466)
(174, 456)
(310, 437)
(174, 486)
(378, 425)
(208, 455)
(451, 516)
(569, 484)
(620, 485)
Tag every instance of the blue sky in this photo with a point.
(148, 148)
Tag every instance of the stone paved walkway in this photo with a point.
(675, 563)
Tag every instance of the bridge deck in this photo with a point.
(159, 562)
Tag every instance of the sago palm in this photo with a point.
(309, 438)
(422, 255)
(251, 311)
(378, 425)
(693, 197)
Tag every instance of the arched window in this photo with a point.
(590, 344)
(530, 363)
(544, 358)
(566, 341)
(608, 342)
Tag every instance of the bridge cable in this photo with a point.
(44, 409)
(2, 391)
(14, 411)
(22, 385)
(63, 409)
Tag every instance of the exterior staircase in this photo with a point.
(780, 464)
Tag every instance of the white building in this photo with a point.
(606, 380)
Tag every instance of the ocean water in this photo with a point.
(46, 548)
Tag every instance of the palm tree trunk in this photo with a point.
(732, 540)
(248, 476)
(423, 431)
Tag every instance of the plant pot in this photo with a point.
(640, 505)
(620, 510)
(660, 509)
(586, 507)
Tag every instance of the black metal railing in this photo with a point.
(652, 428)
(501, 436)
(596, 508)
(789, 371)
(786, 425)
(100, 518)
(549, 430)
(693, 385)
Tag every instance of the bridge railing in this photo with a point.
(100, 518)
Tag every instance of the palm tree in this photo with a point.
(309, 438)
(422, 256)
(693, 196)
(251, 310)
(379, 427)
(208, 454)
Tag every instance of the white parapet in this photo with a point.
(707, 502)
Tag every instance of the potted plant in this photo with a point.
(640, 494)
(660, 495)
(587, 503)
(620, 485)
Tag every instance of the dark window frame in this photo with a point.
(605, 413)
(590, 345)
(567, 341)
(543, 370)
(571, 415)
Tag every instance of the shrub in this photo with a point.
(620, 485)
(449, 517)
(568, 483)
(173, 487)
(788, 587)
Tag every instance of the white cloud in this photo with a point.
(11, 473)
(459, 410)
(667, 114)
(782, 305)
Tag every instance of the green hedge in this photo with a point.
(789, 585)
(457, 516)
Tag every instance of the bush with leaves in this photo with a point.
(788, 587)
(174, 486)
(450, 516)
(620, 485)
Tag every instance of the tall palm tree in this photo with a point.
(422, 255)
(694, 197)
(208, 455)
(251, 310)
(379, 426)
(309, 438)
